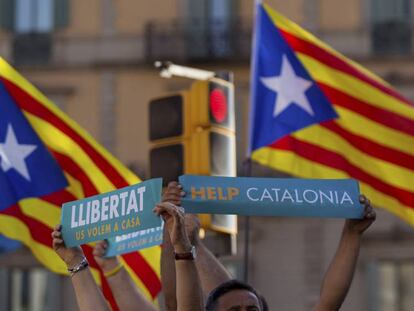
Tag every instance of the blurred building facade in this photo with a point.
(95, 60)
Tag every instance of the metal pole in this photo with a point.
(247, 172)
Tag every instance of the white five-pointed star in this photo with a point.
(13, 154)
(290, 89)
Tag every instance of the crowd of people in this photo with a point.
(192, 278)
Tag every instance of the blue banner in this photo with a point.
(134, 241)
(111, 214)
(338, 198)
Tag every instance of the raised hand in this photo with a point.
(106, 264)
(173, 194)
(174, 219)
(360, 225)
(71, 256)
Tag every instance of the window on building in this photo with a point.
(391, 26)
(209, 30)
(391, 286)
(33, 16)
(32, 22)
(212, 36)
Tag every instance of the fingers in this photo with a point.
(168, 208)
(174, 199)
(56, 234)
(57, 239)
(58, 227)
(369, 212)
(100, 249)
(173, 193)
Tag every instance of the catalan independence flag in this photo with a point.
(46, 159)
(317, 114)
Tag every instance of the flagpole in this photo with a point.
(247, 172)
(253, 65)
(247, 169)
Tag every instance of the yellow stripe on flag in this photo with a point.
(75, 187)
(291, 163)
(354, 87)
(149, 254)
(401, 177)
(44, 212)
(388, 203)
(60, 142)
(96, 275)
(369, 129)
(14, 228)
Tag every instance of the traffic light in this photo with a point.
(213, 112)
(193, 132)
(166, 119)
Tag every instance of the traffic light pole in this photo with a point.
(168, 70)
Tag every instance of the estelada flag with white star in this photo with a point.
(46, 159)
(317, 114)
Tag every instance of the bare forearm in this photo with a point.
(126, 293)
(88, 295)
(340, 273)
(168, 274)
(189, 293)
(211, 272)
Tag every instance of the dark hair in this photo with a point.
(263, 301)
(226, 287)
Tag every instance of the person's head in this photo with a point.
(264, 303)
(234, 295)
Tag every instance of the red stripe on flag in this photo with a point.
(317, 154)
(305, 47)
(144, 271)
(39, 232)
(67, 164)
(384, 117)
(369, 147)
(58, 198)
(26, 102)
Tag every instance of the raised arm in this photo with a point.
(211, 272)
(126, 294)
(172, 195)
(189, 294)
(88, 294)
(339, 276)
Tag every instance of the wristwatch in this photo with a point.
(191, 255)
